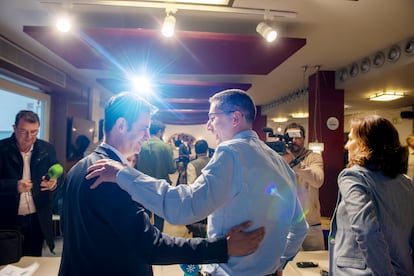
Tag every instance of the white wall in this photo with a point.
(403, 126)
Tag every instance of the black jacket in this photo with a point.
(107, 233)
(11, 170)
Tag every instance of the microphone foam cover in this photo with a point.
(55, 171)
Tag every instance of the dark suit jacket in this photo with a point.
(106, 233)
(11, 170)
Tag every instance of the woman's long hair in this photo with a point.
(378, 146)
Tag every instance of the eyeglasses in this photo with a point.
(212, 115)
(32, 132)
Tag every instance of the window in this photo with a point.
(15, 97)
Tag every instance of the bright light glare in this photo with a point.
(63, 24)
(271, 36)
(141, 84)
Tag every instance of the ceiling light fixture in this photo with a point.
(168, 28)
(300, 115)
(386, 96)
(315, 145)
(266, 31)
(280, 119)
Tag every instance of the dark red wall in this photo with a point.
(330, 103)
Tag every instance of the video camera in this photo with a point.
(282, 142)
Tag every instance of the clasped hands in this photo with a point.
(25, 185)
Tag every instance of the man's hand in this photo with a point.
(106, 171)
(48, 185)
(243, 243)
(24, 185)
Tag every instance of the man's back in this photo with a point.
(99, 230)
(262, 190)
(156, 159)
(245, 180)
(106, 233)
(195, 166)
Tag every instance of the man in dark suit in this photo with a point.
(25, 194)
(107, 233)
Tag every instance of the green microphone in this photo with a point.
(54, 171)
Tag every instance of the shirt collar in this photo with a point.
(120, 156)
(245, 134)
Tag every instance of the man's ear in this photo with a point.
(237, 118)
(121, 125)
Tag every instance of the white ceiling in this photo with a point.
(338, 33)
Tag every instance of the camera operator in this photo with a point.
(308, 167)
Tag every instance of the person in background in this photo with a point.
(373, 224)
(156, 159)
(25, 193)
(195, 166)
(199, 229)
(410, 164)
(184, 150)
(245, 180)
(308, 167)
(106, 233)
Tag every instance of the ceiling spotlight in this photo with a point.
(343, 74)
(63, 23)
(365, 65)
(394, 53)
(169, 26)
(354, 70)
(409, 47)
(266, 31)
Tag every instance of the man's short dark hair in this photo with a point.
(28, 116)
(125, 105)
(235, 100)
(156, 126)
(201, 146)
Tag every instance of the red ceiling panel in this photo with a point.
(133, 51)
(186, 53)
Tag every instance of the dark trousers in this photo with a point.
(29, 226)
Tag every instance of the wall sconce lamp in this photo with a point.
(386, 96)
(168, 27)
(266, 31)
